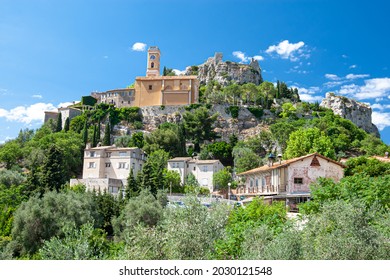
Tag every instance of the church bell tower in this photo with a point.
(153, 67)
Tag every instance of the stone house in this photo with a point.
(288, 180)
(108, 167)
(203, 170)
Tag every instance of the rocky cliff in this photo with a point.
(226, 71)
(356, 112)
(244, 126)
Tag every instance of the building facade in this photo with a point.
(153, 89)
(203, 170)
(288, 180)
(108, 167)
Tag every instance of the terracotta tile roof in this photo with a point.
(180, 159)
(283, 163)
(158, 78)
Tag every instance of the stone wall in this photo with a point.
(225, 72)
(357, 112)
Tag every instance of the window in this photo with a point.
(122, 154)
(133, 165)
(121, 165)
(133, 154)
(108, 164)
(152, 65)
(108, 154)
(92, 154)
(150, 87)
(194, 168)
(205, 168)
(298, 180)
(92, 165)
(257, 182)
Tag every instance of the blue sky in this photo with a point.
(55, 51)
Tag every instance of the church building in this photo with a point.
(155, 89)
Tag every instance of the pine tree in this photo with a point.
(107, 135)
(132, 188)
(59, 123)
(85, 133)
(67, 124)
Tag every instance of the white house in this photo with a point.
(288, 180)
(107, 167)
(203, 170)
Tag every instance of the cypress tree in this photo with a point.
(98, 132)
(85, 133)
(59, 123)
(67, 124)
(132, 188)
(107, 135)
(94, 138)
(53, 173)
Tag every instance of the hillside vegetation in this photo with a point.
(43, 218)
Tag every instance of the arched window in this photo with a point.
(152, 65)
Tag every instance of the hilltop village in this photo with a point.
(208, 164)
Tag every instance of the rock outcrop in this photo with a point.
(356, 112)
(244, 126)
(225, 72)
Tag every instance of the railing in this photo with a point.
(263, 190)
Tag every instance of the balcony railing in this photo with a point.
(259, 190)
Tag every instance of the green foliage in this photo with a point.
(39, 219)
(369, 166)
(67, 124)
(245, 159)
(144, 210)
(122, 141)
(219, 150)
(11, 153)
(88, 100)
(107, 135)
(85, 132)
(137, 140)
(255, 214)
(152, 172)
(190, 232)
(132, 187)
(59, 123)
(305, 141)
(344, 231)
(288, 110)
(77, 123)
(198, 126)
(372, 191)
(172, 181)
(234, 110)
(222, 178)
(166, 139)
(9, 178)
(257, 112)
(85, 243)
(108, 208)
(10, 199)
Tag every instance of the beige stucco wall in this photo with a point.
(309, 174)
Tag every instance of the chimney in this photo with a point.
(280, 158)
(271, 159)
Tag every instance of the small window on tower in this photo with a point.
(152, 65)
(150, 87)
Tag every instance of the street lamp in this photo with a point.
(229, 184)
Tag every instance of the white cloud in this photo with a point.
(352, 66)
(139, 47)
(348, 89)
(258, 57)
(245, 59)
(241, 56)
(374, 88)
(178, 72)
(332, 77)
(380, 107)
(333, 84)
(37, 96)
(381, 120)
(356, 76)
(66, 104)
(27, 114)
(310, 98)
(344, 56)
(286, 50)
